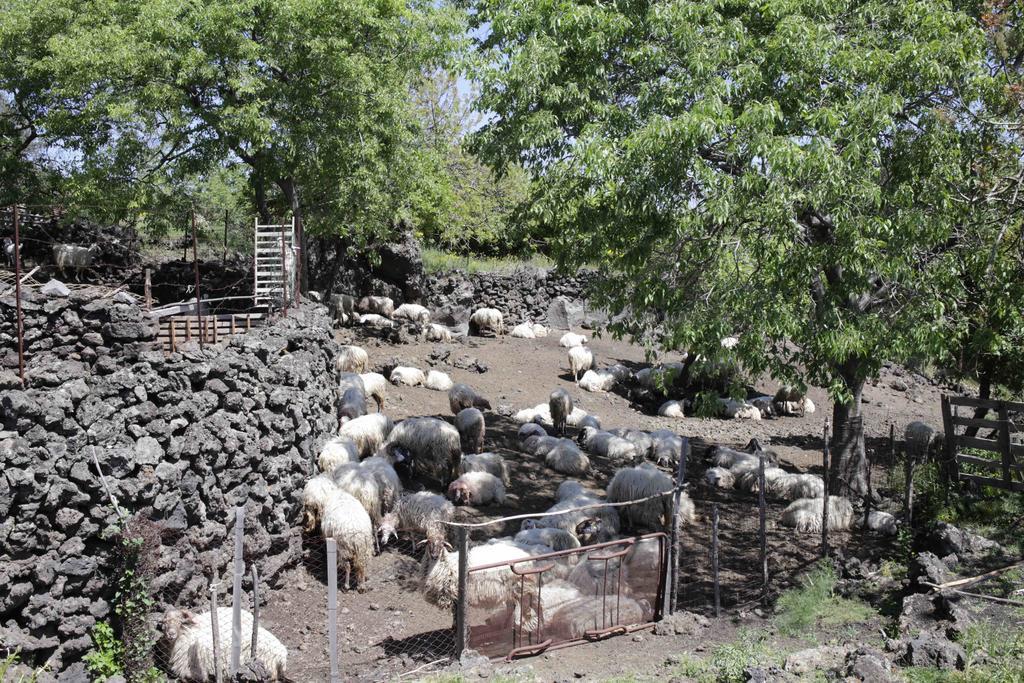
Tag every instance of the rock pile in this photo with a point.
(181, 439)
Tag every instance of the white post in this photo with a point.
(236, 593)
(332, 606)
(216, 631)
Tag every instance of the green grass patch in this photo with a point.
(8, 662)
(994, 653)
(727, 662)
(800, 611)
(435, 260)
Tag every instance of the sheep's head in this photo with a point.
(435, 545)
(387, 531)
(588, 530)
(459, 493)
(176, 622)
(753, 446)
(585, 435)
(528, 524)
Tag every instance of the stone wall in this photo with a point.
(526, 294)
(182, 439)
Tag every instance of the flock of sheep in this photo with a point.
(358, 498)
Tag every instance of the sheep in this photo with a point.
(476, 489)
(920, 440)
(374, 320)
(437, 333)
(368, 432)
(351, 359)
(738, 410)
(581, 359)
(350, 380)
(338, 450)
(410, 377)
(879, 521)
(633, 483)
(8, 249)
(560, 406)
(794, 486)
(315, 494)
(666, 447)
(486, 322)
(363, 485)
(342, 307)
(719, 477)
(765, 405)
(486, 462)
(566, 458)
(555, 539)
(607, 445)
(422, 512)
(671, 409)
(660, 378)
(189, 638)
(574, 619)
(523, 331)
(378, 305)
(569, 489)
(471, 426)
(607, 517)
(539, 331)
(774, 481)
(351, 405)
(589, 421)
(597, 381)
(414, 313)
(72, 256)
(462, 396)
(486, 589)
(722, 456)
(382, 468)
(376, 386)
(804, 514)
(571, 339)
(789, 401)
(345, 520)
(431, 447)
(555, 594)
(640, 439)
(530, 429)
(438, 381)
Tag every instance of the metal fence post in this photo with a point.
(17, 296)
(461, 625)
(674, 543)
(826, 461)
(215, 627)
(762, 526)
(714, 559)
(284, 274)
(148, 291)
(332, 606)
(195, 269)
(255, 611)
(236, 593)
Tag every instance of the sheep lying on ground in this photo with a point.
(486, 321)
(589, 421)
(921, 440)
(476, 489)
(597, 381)
(351, 359)
(376, 387)
(739, 410)
(530, 429)
(666, 447)
(486, 462)
(437, 333)
(368, 432)
(581, 359)
(607, 445)
(660, 378)
(765, 405)
(568, 489)
(539, 331)
(542, 413)
(379, 305)
(422, 513)
(576, 618)
(462, 396)
(719, 478)
(571, 339)
(471, 426)
(487, 589)
(671, 409)
(438, 381)
(523, 331)
(560, 406)
(792, 402)
(606, 518)
(640, 439)
(337, 450)
(634, 483)
(555, 539)
(430, 447)
(805, 514)
(190, 642)
(794, 486)
(374, 320)
(567, 458)
(410, 377)
(879, 521)
(540, 446)
(723, 456)
(414, 313)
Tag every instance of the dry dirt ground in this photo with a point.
(387, 630)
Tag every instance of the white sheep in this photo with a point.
(423, 513)
(541, 413)
(719, 477)
(190, 642)
(486, 462)
(438, 381)
(598, 381)
(377, 321)
(555, 539)
(774, 478)
(792, 402)
(765, 405)
(539, 331)
(316, 493)
(530, 429)
(378, 305)
(921, 440)
(337, 450)
(345, 520)
(794, 486)
(581, 359)
(376, 386)
(575, 618)
(351, 404)
(472, 428)
(722, 456)
(431, 447)
(351, 359)
(363, 485)
(607, 517)
(539, 446)
(879, 521)
(486, 321)
(486, 589)
(607, 445)
(410, 377)
(640, 439)
(569, 489)
(437, 333)
(589, 421)
(671, 409)
(72, 256)
(476, 489)
(634, 483)
(523, 331)
(666, 447)
(350, 380)
(382, 468)
(567, 458)
(660, 378)
(462, 396)
(805, 514)
(414, 313)
(571, 339)
(560, 406)
(368, 432)
(740, 410)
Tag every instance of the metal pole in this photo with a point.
(762, 526)
(714, 558)
(908, 494)
(148, 291)
(297, 222)
(676, 496)
(284, 274)
(195, 269)
(255, 611)
(461, 626)
(224, 259)
(826, 461)
(216, 631)
(236, 593)
(332, 606)
(17, 297)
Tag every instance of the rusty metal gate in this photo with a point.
(554, 600)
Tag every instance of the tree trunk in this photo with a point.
(291, 193)
(849, 457)
(984, 393)
(260, 195)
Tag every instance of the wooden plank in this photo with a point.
(997, 483)
(987, 463)
(1004, 441)
(948, 468)
(971, 422)
(977, 442)
(984, 403)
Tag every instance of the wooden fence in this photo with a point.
(995, 416)
(209, 329)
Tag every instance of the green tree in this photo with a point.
(782, 171)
